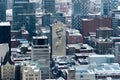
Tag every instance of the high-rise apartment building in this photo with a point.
(41, 53)
(107, 6)
(24, 15)
(48, 6)
(2, 10)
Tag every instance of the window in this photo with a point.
(81, 76)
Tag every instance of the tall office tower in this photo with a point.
(41, 53)
(107, 6)
(24, 15)
(2, 10)
(48, 6)
(58, 39)
(5, 33)
(81, 7)
(80, 10)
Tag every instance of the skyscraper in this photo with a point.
(80, 10)
(81, 7)
(24, 15)
(2, 10)
(5, 33)
(41, 53)
(107, 6)
(48, 19)
(48, 6)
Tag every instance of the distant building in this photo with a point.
(31, 71)
(107, 6)
(80, 10)
(3, 49)
(115, 18)
(48, 6)
(80, 7)
(58, 39)
(99, 59)
(2, 10)
(9, 4)
(41, 53)
(5, 37)
(79, 48)
(117, 52)
(76, 22)
(24, 15)
(116, 21)
(94, 72)
(104, 46)
(80, 73)
(49, 18)
(90, 25)
(104, 32)
(73, 36)
(7, 68)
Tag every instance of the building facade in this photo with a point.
(104, 32)
(107, 6)
(24, 15)
(31, 71)
(48, 19)
(90, 25)
(80, 7)
(80, 10)
(58, 39)
(2, 10)
(48, 6)
(116, 21)
(41, 53)
(7, 68)
(5, 37)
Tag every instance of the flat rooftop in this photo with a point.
(4, 23)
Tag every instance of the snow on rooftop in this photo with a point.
(4, 23)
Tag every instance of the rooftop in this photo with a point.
(81, 46)
(39, 37)
(4, 23)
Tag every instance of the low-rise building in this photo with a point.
(79, 48)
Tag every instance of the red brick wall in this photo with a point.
(92, 25)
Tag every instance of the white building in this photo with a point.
(8, 72)
(101, 58)
(31, 71)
